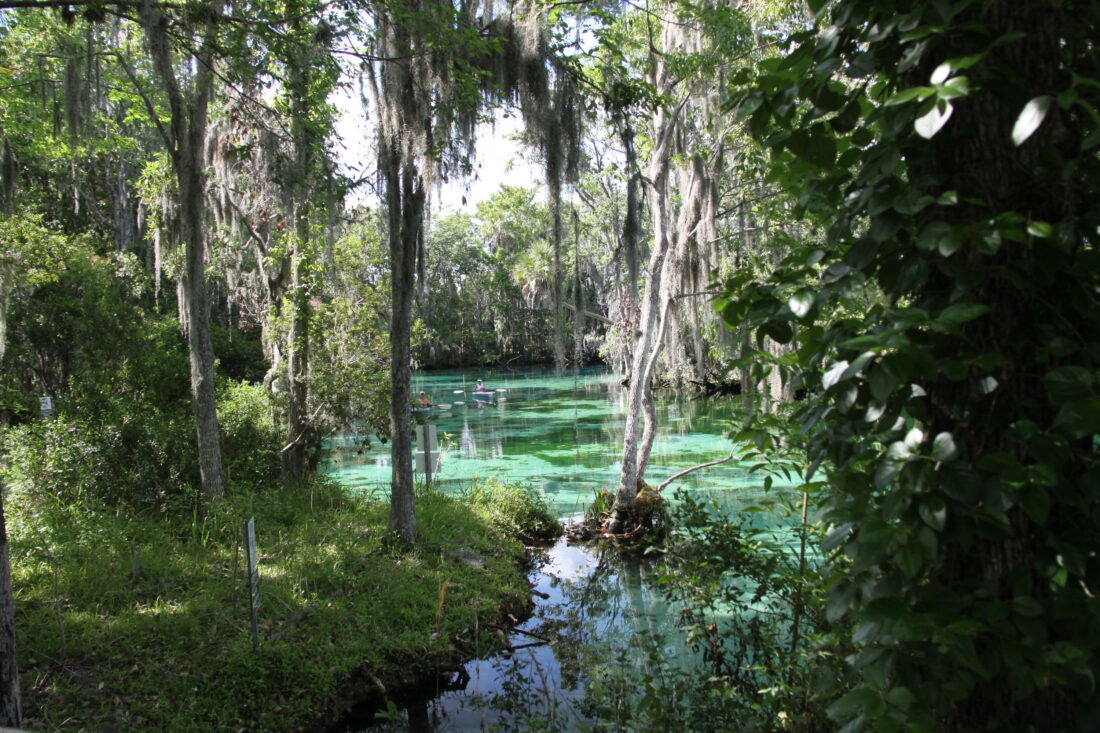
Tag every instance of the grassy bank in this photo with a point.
(143, 623)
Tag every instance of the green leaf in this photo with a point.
(801, 302)
(1027, 606)
(854, 702)
(1040, 229)
(882, 383)
(955, 88)
(949, 245)
(778, 331)
(886, 470)
(1036, 502)
(957, 313)
(866, 631)
(840, 600)
(857, 365)
(965, 62)
(1031, 116)
(939, 76)
(1080, 417)
(901, 697)
(933, 121)
(815, 148)
(1070, 383)
(899, 450)
(990, 242)
(933, 512)
(1003, 464)
(836, 538)
(932, 234)
(832, 376)
(908, 95)
(914, 438)
(734, 312)
(928, 544)
(943, 447)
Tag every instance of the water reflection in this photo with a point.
(609, 626)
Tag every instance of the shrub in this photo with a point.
(250, 436)
(516, 509)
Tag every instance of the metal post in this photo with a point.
(253, 580)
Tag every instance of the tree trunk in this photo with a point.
(649, 408)
(559, 325)
(971, 156)
(184, 139)
(632, 228)
(11, 713)
(748, 386)
(578, 296)
(647, 339)
(196, 305)
(293, 458)
(405, 207)
(293, 462)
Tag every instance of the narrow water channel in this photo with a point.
(603, 617)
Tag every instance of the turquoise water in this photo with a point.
(560, 434)
(608, 624)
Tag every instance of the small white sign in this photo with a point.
(421, 463)
(426, 438)
(45, 405)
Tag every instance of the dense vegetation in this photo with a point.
(875, 222)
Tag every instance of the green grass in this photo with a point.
(142, 623)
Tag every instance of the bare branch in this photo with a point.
(686, 471)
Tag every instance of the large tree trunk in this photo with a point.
(972, 156)
(632, 223)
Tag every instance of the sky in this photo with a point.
(499, 159)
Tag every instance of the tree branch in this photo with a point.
(686, 471)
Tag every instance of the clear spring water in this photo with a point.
(560, 434)
(563, 436)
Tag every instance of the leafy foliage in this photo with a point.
(124, 433)
(955, 414)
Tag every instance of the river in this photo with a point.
(607, 622)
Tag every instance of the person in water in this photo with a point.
(480, 386)
(422, 400)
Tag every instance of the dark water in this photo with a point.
(605, 621)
